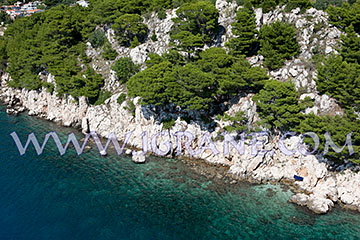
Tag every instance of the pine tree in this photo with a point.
(350, 45)
(195, 25)
(278, 106)
(340, 80)
(245, 42)
(188, 42)
(302, 4)
(345, 15)
(278, 43)
(125, 68)
(130, 30)
(108, 52)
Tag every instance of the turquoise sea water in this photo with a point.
(93, 197)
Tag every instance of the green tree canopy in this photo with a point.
(215, 76)
(278, 107)
(345, 15)
(108, 52)
(97, 38)
(125, 68)
(338, 127)
(196, 24)
(51, 41)
(302, 4)
(278, 42)
(340, 80)
(323, 4)
(244, 28)
(267, 5)
(129, 28)
(350, 45)
(233, 74)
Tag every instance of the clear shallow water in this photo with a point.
(91, 197)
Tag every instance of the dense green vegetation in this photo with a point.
(278, 42)
(239, 122)
(281, 111)
(267, 5)
(338, 128)
(121, 98)
(97, 38)
(4, 18)
(338, 76)
(278, 106)
(195, 25)
(345, 15)
(52, 41)
(108, 52)
(350, 46)
(106, 11)
(302, 4)
(103, 95)
(214, 77)
(125, 68)
(323, 4)
(245, 42)
(130, 30)
(340, 79)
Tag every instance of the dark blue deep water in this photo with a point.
(92, 197)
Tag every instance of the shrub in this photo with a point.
(168, 123)
(130, 107)
(49, 87)
(161, 14)
(89, 86)
(108, 52)
(125, 68)
(103, 95)
(238, 122)
(121, 98)
(154, 37)
(97, 38)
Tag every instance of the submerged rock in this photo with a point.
(139, 158)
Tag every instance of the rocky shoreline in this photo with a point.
(319, 191)
(321, 188)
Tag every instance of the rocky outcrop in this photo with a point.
(261, 160)
(138, 158)
(66, 111)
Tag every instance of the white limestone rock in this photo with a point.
(319, 204)
(138, 157)
(299, 199)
